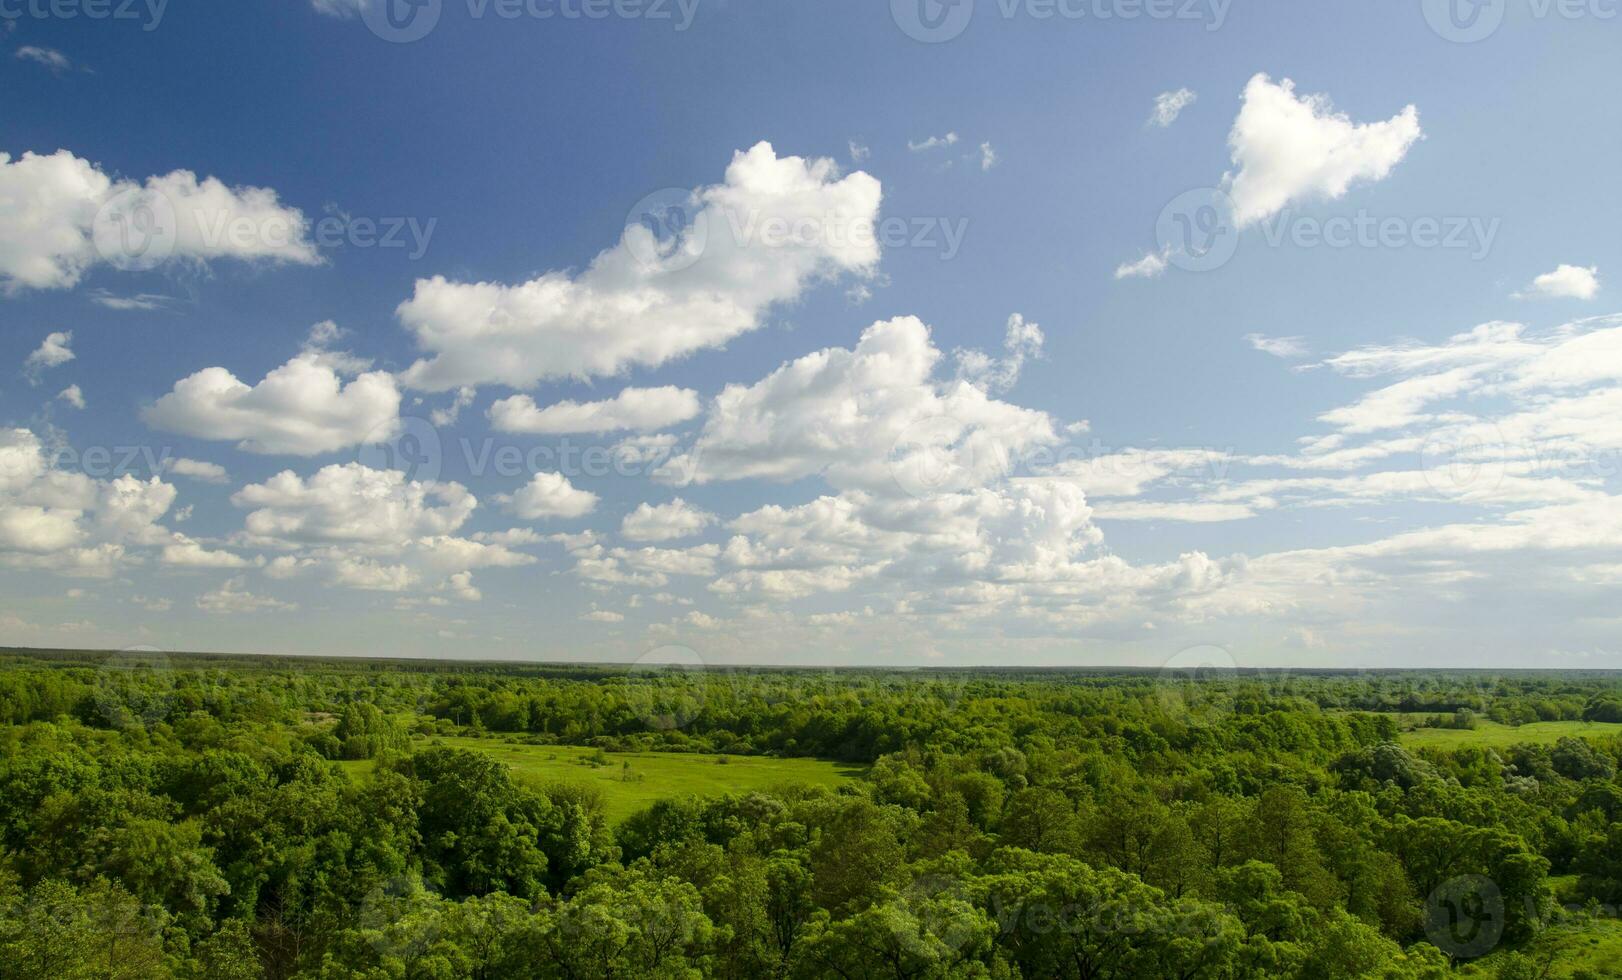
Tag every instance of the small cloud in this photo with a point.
(197, 469)
(1169, 105)
(51, 58)
(145, 302)
(1565, 282)
(858, 152)
(932, 143)
(1151, 266)
(53, 352)
(72, 395)
(1288, 348)
(339, 8)
(988, 156)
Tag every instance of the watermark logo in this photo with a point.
(932, 21)
(136, 230)
(1186, 685)
(387, 921)
(667, 687)
(402, 21)
(941, 913)
(1467, 460)
(135, 687)
(1464, 916)
(1464, 21)
(941, 453)
(667, 231)
(410, 445)
(1196, 230)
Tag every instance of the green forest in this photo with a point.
(196, 816)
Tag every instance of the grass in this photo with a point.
(652, 775)
(1494, 735)
(1595, 946)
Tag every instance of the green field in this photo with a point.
(651, 776)
(1490, 733)
(1594, 946)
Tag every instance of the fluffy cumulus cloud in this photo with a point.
(687, 275)
(61, 215)
(665, 522)
(638, 409)
(56, 519)
(373, 530)
(550, 495)
(1288, 148)
(351, 503)
(303, 408)
(873, 417)
(1565, 282)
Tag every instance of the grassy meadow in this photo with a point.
(1492, 734)
(633, 780)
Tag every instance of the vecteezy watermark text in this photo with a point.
(148, 12)
(1365, 230)
(934, 21)
(404, 21)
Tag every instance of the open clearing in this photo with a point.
(651, 775)
(1490, 733)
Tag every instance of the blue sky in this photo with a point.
(1026, 424)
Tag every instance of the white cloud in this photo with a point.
(988, 156)
(60, 215)
(340, 8)
(351, 503)
(639, 409)
(142, 302)
(1288, 148)
(1170, 105)
(872, 417)
(48, 57)
(1151, 266)
(374, 530)
(302, 408)
(603, 616)
(1022, 341)
(932, 143)
(551, 495)
(665, 522)
(65, 521)
(198, 470)
(72, 395)
(233, 597)
(54, 351)
(859, 152)
(1565, 282)
(184, 552)
(645, 302)
(448, 415)
(1288, 348)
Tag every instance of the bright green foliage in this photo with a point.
(241, 819)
